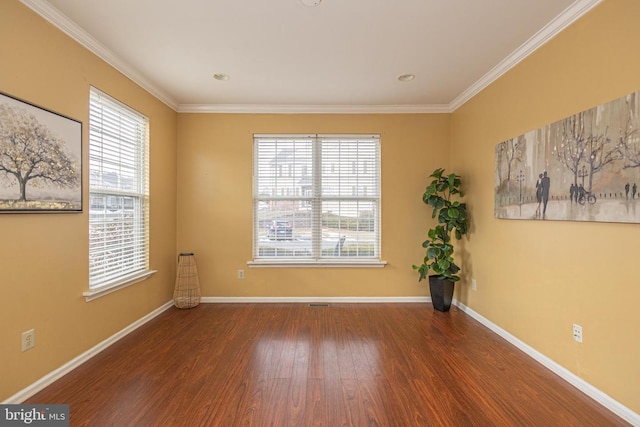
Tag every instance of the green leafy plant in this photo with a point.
(452, 220)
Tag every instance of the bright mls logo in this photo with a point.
(34, 415)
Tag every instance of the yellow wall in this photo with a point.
(536, 278)
(43, 257)
(215, 201)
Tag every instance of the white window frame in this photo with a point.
(315, 199)
(118, 148)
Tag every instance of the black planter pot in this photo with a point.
(441, 293)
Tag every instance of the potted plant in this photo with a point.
(441, 195)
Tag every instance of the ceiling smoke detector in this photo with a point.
(310, 3)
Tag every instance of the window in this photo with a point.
(327, 209)
(118, 193)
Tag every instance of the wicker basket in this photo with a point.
(187, 291)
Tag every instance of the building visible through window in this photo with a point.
(327, 207)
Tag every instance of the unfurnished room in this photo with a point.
(319, 213)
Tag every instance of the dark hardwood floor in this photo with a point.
(294, 365)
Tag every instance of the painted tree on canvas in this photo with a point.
(31, 155)
(509, 153)
(572, 136)
(629, 134)
(584, 147)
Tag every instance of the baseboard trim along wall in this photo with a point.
(343, 300)
(51, 377)
(597, 395)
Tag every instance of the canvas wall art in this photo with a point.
(585, 167)
(40, 159)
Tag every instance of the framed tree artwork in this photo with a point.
(40, 159)
(585, 167)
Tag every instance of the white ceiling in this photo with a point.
(343, 55)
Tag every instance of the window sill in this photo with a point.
(321, 264)
(120, 284)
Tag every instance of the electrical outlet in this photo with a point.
(474, 285)
(28, 339)
(240, 274)
(577, 333)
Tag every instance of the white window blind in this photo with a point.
(118, 191)
(317, 198)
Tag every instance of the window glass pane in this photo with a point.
(349, 167)
(283, 229)
(284, 167)
(115, 237)
(349, 228)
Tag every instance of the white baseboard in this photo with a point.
(48, 379)
(272, 300)
(602, 398)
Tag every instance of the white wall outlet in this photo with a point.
(577, 333)
(240, 274)
(474, 284)
(28, 339)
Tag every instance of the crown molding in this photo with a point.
(312, 109)
(549, 31)
(70, 28)
(553, 28)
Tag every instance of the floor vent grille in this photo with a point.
(319, 304)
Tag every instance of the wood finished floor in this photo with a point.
(294, 365)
